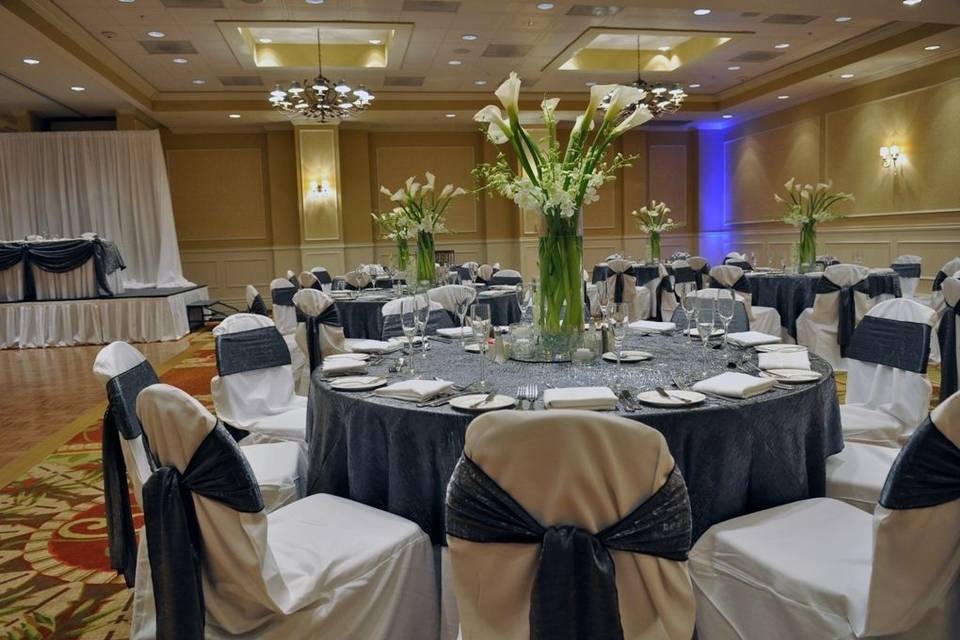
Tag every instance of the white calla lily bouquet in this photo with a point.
(805, 206)
(655, 218)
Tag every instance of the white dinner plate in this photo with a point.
(677, 398)
(471, 347)
(403, 340)
(348, 356)
(792, 376)
(696, 334)
(358, 383)
(466, 403)
(627, 356)
(781, 348)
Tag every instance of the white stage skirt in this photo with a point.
(59, 323)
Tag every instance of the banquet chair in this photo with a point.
(680, 273)
(322, 567)
(450, 296)
(621, 287)
(506, 276)
(738, 260)
(707, 297)
(322, 275)
(887, 390)
(826, 327)
(529, 562)
(763, 319)
(320, 335)
(948, 333)
(392, 328)
(280, 468)
(355, 280)
(254, 386)
(485, 273)
(309, 281)
(822, 568)
(286, 317)
(908, 270)
(701, 269)
(292, 278)
(255, 302)
(949, 269)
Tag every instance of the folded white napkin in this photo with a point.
(590, 398)
(455, 332)
(343, 366)
(752, 338)
(415, 390)
(373, 346)
(651, 325)
(795, 360)
(735, 385)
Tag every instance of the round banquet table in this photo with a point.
(791, 293)
(737, 456)
(362, 317)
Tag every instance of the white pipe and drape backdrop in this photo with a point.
(113, 183)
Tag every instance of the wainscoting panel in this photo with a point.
(227, 272)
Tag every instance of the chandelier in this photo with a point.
(657, 99)
(320, 99)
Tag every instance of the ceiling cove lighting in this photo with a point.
(30, 61)
(656, 98)
(702, 12)
(375, 41)
(450, 115)
(266, 40)
(320, 99)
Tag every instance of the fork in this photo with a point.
(533, 392)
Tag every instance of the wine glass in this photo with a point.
(705, 323)
(726, 305)
(619, 318)
(688, 301)
(422, 315)
(603, 299)
(461, 305)
(480, 323)
(408, 324)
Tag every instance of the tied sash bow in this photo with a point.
(926, 473)
(574, 591)
(329, 317)
(947, 334)
(847, 319)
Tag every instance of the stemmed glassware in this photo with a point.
(688, 301)
(460, 307)
(422, 315)
(480, 323)
(705, 321)
(603, 300)
(618, 318)
(726, 305)
(408, 324)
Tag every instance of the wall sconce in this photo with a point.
(889, 156)
(319, 189)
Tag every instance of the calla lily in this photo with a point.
(789, 184)
(447, 190)
(430, 180)
(549, 108)
(459, 191)
(409, 182)
(778, 199)
(385, 191)
(398, 196)
(621, 98)
(414, 188)
(635, 119)
(491, 113)
(509, 95)
(597, 94)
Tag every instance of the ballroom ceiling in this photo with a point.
(189, 63)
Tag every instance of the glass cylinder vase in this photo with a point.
(655, 246)
(403, 255)
(426, 257)
(808, 245)
(560, 292)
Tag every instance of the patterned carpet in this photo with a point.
(55, 580)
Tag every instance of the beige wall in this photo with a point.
(915, 210)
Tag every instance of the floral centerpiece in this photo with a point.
(396, 226)
(557, 182)
(425, 211)
(806, 205)
(654, 221)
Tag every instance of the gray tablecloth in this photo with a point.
(737, 457)
(790, 294)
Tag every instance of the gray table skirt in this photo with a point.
(736, 457)
(790, 294)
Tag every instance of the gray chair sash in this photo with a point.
(847, 314)
(938, 280)
(513, 280)
(329, 317)
(575, 590)
(907, 270)
(746, 266)
(926, 473)
(947, 334)
(741, 285)
(323, 277)
(258, 307)
(218, 471)
(893, 343)
(283, 296)
(260, 348)
(684, 274)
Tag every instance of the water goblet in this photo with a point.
(422, 303)
(408, 324)
(726, 305)
(480, 323)
(705, 323)
(688, 301)
(619, 319)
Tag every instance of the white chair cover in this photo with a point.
(823, 569)
(908, 286)
(697, 263)
(817, 326)
(307, 280)
(285, 319)
(485, 272)
(322, 567)
(284, 316)
(763, 319)
(949, 269)
(856, 475)
(312, 303)
(572, 468)
(640, 305)
(449, 297)
(884, 404)
(261, 401)
(510, 275)
(951, 296)
(358, 279)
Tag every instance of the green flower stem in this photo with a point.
(654, 246)
(561, 283)
(426, 257)
(403, 254)
(808, 243)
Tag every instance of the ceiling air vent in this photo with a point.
(434, 6)
(168, 46)
(789, 18)
(192, 4)
(595, 11)
(506, 50)
(403, 81)
(756, 56)
(241, 81)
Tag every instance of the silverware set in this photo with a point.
(529, 393)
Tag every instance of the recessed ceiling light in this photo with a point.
(663, 48)
(199, 81)
(701, 12)
(266, 40)
(545, 6)
(180, 61)
(589, 83)
(234, 115)
(693, 85)
(455, 62)
(783, 97)
(451, 115)
(30, 61)
(911, 3)
(77, 88)
(782, 45)
(727, 116)
(156, 34)
(846, 76)
(469, 37)
(479, 83)
(735, 67)
(315, 1)
(931, 47)
(127, 1)
(375, 41)
(842, 19)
